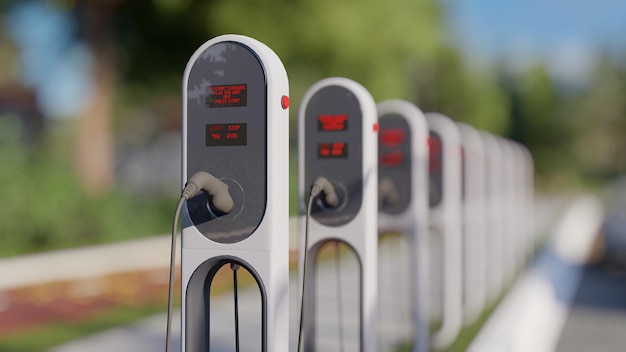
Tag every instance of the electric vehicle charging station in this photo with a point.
(494, 215)
(445, 221)
(513, 232)
(337, 131)
(474, 242)
(525, 189)
(515, 224)
(528, 198)
(508, 226)
(517, 194)
(235, 127)
(403, 202)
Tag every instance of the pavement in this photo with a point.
(533, 314)
(597, 316)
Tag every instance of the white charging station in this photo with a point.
(474, 242)
(528, 199)
(403, 199)
(235, 127)
(495, 218)
(525, 230)
(518, 199)
(337, 136)
(510, 250)
(445, 221)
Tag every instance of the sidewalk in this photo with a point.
(532, 316)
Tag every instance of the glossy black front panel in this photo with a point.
(435, 169)
(394, 162)
(226, 137)
(333, 132)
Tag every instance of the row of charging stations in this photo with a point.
(461, 198)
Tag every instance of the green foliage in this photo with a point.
(379, 44)
(43, 207)
(600, 119)
(447, 85)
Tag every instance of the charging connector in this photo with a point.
(218, 190)
(325, 188)
(220, 199)
(388, 192)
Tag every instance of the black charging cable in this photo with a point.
(339, 295)
(321, 186)
(235, 267)
(220, 199)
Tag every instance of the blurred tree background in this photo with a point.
(105, 165)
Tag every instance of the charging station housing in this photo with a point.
(337, 140)
(235, 127)
(403, 162)
(445, 221)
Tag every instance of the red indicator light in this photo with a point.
(392, 159)
(332, 122)
(376, 127)
(284, 102)
(332, 150)
(392, 137)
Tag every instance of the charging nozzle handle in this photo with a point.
(217, 189)
(221, 200)
(326, 188)
(388, 192)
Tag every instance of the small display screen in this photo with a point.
(391, 137)
(332, 150)
(227, 134)
(226, 96)
(391, 159)
(332, 122)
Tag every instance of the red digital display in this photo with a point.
(332, 150)
(434, 148)
(391, 159)
(332, 122)
(391, 137)
(227, 134)
(228, 95)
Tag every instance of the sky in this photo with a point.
(564, 32)
(54, 64)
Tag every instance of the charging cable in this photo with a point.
(220, 199)
(321, 186)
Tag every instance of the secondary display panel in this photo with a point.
(337, 141)
(403, 209)
(332, 139)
